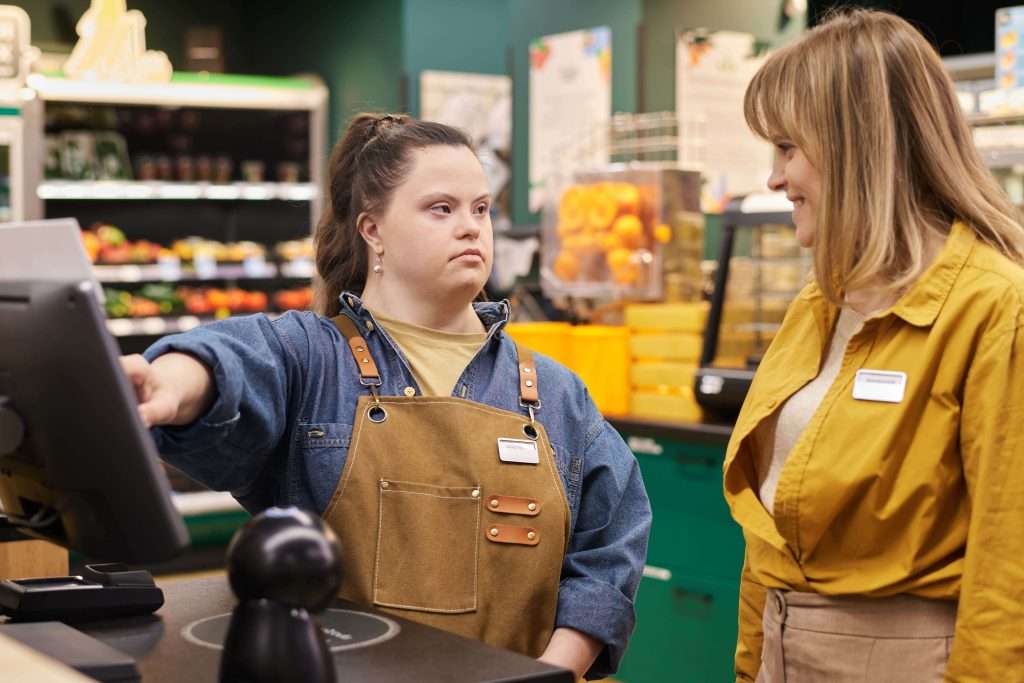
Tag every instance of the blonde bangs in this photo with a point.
(772, 103)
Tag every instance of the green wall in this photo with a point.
(355, 47)
(452, 35)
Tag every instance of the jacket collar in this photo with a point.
(919, 305)
(491, 313)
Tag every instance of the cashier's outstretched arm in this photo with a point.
(175, 389)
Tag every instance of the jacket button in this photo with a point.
(531, 507)
(369, 327)
(494, 502)
(409, 391)
(494, 531)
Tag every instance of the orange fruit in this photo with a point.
(630, 230)
(628, 197)
(567, 265)
(663, 234)
(572, 209)
(618, 258)
(610, 241)
(601, 211)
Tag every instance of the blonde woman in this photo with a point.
(877, 466)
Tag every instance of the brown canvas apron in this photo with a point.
(436, 528)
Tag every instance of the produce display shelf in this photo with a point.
(143, 190)
(161, 273)
(160, 325)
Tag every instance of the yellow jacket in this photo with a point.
(921, 497)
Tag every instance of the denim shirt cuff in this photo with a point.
(602, 612)
(218, 420)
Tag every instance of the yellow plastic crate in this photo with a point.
(677, 407)
(600, 356)
(673, 317)
(677, 346)
(550, 338)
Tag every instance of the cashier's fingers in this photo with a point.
(157, 403)
(160, 409)
(140, 374)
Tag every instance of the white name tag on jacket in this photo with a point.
(518, 450)
(879, 385)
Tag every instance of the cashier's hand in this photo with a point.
(572, 650)
(158, 399)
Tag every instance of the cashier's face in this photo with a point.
(436, 230)
(793, 174)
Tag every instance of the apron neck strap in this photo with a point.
(528, 395)
(368, 373)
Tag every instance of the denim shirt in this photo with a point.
(278, 380)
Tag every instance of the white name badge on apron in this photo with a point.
(879, 385)
(518, 450)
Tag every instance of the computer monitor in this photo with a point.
(77, 465)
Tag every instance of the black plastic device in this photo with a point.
(104, 591)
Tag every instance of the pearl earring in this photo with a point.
(377, 268)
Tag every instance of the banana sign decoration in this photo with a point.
(112, 47)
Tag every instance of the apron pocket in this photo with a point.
(427, 547)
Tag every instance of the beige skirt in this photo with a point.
(811, 638)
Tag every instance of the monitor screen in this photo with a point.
(77, 465)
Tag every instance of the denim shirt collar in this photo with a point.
(493, 314)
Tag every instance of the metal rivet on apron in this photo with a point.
(532, 535)
(527, 370)
(366, 360)
(409, 391)
(531, 507)
(376, 414)
(530, 431)
(494, 502)
(384, 484)
(529, 382)
(475, 493)
(369, 327)
(360, 349)
(315, 433)
(494, 531)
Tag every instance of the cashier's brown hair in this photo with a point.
(366, 166)
(866, 98)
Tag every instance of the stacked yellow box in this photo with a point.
(665, 345)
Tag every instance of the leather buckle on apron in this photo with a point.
(516, 535)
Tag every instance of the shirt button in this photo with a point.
(772, 403)
(409, 391)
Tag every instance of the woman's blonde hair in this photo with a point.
(867, 99)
